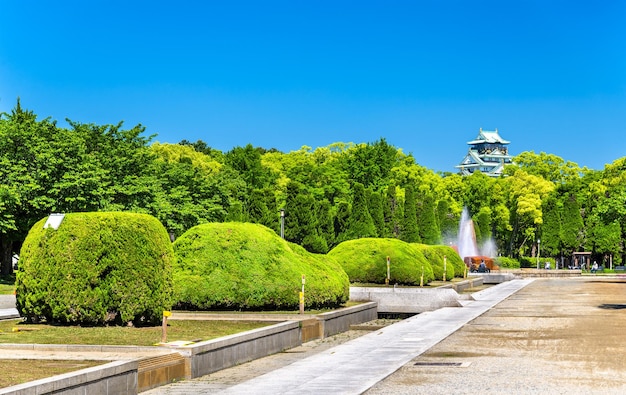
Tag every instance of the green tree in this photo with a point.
(325, 223)
(341, 222)
(247, 162)
(548, 166)
(376, 211)
(360, 223)
(393, 211)
(572, 224)
(410, 231)
(482, 225)
(427, 222)
(551, 228)
(371, 164)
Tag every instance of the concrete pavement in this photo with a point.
(7, 307)
(356, 366)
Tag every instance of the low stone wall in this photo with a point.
(495, 277)
(465, 284)
(213, 355)
(406, 300)
(113, 378)
(340, 320)
(186, 362)
(533, 273)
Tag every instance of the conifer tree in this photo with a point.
(376, 211)
(325, 224)
(235, 212)
(427, 223)
(257, 209)
(341, 222)
(392, 211)
(360, 223)
(572, 224)
(300, 219)
(482, 225)
(551, 227)
(410, 231)
(448, 225)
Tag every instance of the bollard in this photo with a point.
(164, 326)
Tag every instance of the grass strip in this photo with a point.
(15, 331)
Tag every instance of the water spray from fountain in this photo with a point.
(466, 242)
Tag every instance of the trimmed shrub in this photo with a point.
(95, 269)
(531, 262)
(365, 260)
(247, 266)
(507, 263)
(455, 267)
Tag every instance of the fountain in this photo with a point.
(467, 247)
(466, 240)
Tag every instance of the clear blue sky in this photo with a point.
(425, 75)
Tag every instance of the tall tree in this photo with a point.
(427, 222)
(376, 211)
(551, 228)
(392, 211)
(360, 223)
(410, 231)
(572, 224)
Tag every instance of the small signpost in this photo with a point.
(302, 296)
(388, 271)
(164, 327)
(445, 263)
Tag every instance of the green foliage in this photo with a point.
(551, 228)
(531, 262)
(370, 164)
(247, 266)
(410, 232)
(365, 260)
(360, 223)
(427, 223)
(393, 213)
(507, 263)
(95, 269)
(375, 206)
(87, 167)
(572, 224)
(455, 267)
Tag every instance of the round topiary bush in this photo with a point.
(365, 260)
(96, 269)
(454, 265)
(247, 266)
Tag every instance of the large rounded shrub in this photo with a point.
(96, 268)
(435, 254)
(365, 260)
(247, 266)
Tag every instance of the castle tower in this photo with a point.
(488, 153)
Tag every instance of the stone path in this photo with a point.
(356, 366)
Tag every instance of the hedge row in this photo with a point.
(365, 261)
(117, 268)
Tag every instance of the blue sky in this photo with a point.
(425, 75)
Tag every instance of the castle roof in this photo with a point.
(485, 136)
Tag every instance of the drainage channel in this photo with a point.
(443, 364)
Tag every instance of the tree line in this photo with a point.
(329, 194)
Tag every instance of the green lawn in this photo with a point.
(7, 285)
(15, 331)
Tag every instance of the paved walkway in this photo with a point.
(356, 366)
(7, 307)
